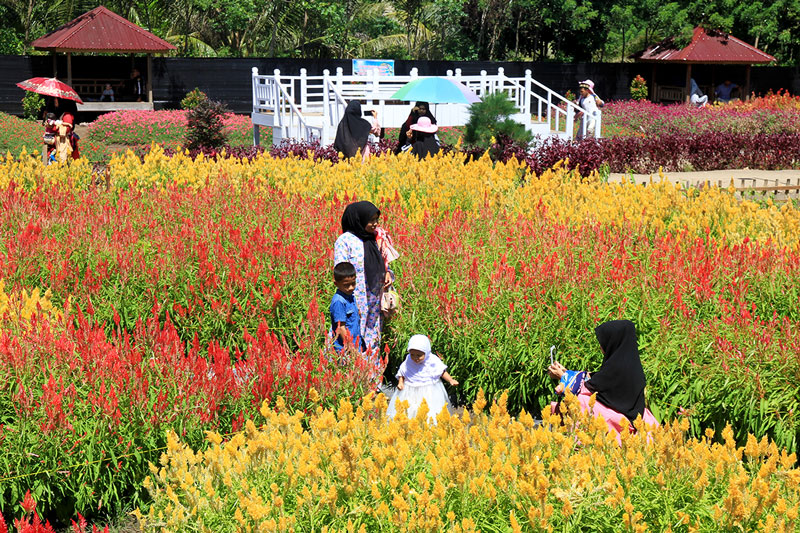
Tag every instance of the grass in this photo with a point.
(18, 134)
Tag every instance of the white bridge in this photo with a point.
(309, 108)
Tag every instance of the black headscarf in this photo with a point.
(64, 106)
(353, 131)
(620, 382)
(413, 117)
(355, 218)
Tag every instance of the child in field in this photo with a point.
(420, 378)
(345, 319)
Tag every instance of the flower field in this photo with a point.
(177, 296)
(352, 470)
(768, 115)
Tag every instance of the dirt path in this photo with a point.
(82, 130)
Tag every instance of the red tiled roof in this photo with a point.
(101, 30)
(707, 46)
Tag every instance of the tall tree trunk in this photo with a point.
(28, 19)
(482, 30)
(622, 59)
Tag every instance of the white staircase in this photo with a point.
(310, 107)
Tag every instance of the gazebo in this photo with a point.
(101, 30)
(708, 47)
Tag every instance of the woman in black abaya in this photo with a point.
(353, 131)
(619, 383)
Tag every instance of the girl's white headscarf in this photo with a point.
(421, 343)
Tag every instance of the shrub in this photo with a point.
(672, 152)
(638, 88)
(205, 126)
(193, 99)
(490, 120)
(32, 105)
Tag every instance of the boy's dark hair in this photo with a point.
(344, 270)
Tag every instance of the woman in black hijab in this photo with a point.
(357, 245)
(352, 132)
(425, 143)
(620, 382)
(406, 135)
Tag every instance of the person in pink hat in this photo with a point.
(424, 141)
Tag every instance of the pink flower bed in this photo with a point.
(135, 128)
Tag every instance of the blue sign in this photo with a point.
(365, 67)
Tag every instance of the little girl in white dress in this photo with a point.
(420, 377)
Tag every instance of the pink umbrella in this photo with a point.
(50, 87)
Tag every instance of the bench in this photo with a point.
(669, 93)
(91, 89)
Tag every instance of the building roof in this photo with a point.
(707, 46)
(101, 30)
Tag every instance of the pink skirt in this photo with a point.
(613, 418)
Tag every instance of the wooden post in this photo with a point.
(746, 95)
(327, 112)
(499, 80)
(653, 86)
(69, 69)
(688, 82)
(55, 65)
(713, 84)
(528, 92)
(150, 79)
(303, 90)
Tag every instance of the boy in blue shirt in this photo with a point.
(345, 318)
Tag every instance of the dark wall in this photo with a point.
(228, 79)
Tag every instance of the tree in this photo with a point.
(621, 22)
(491, 119)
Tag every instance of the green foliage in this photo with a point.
(32, 105)
(638, 88)
(491, 119)
(532, 30)
(193, 98)
(205, 126)
(10, 42)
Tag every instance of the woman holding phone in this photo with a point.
(618, 384)
(353, 131)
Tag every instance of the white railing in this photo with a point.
(295, 102)
(273, 97)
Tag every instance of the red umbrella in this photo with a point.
(50, 87)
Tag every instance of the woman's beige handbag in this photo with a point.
(390, 302)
